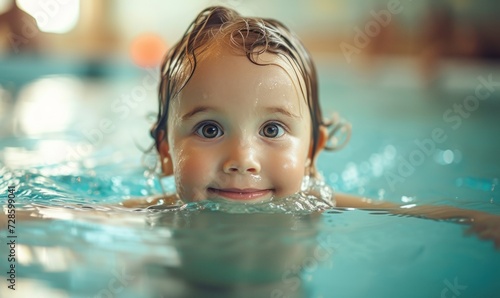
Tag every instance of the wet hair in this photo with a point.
(247, 35)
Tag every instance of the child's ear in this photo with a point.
(322, 139)
(165, 158)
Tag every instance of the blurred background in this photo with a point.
(99, 30)
(101, 33)
(82, 74)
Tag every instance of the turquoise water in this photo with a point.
(80, 156)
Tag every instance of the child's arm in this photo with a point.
(426, 211)
(485, 225)
(150, 201)
(349, 201)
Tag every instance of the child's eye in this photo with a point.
(209, 131)
(272, 130)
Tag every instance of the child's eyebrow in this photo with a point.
(271, 110)
(283, 111)
(197, 110)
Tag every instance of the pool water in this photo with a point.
(71, 146)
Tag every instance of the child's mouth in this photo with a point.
(246, 194)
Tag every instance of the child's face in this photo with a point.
(239, 131)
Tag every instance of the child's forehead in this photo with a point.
(235, 82)
(265, 71)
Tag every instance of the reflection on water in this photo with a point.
(231, 251)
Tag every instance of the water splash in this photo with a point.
(296, 204)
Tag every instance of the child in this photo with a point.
(239, 119)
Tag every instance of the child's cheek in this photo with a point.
(192, 172)
(286, 169)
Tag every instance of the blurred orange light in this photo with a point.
(147, 50)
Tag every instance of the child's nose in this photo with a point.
(242, 159)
